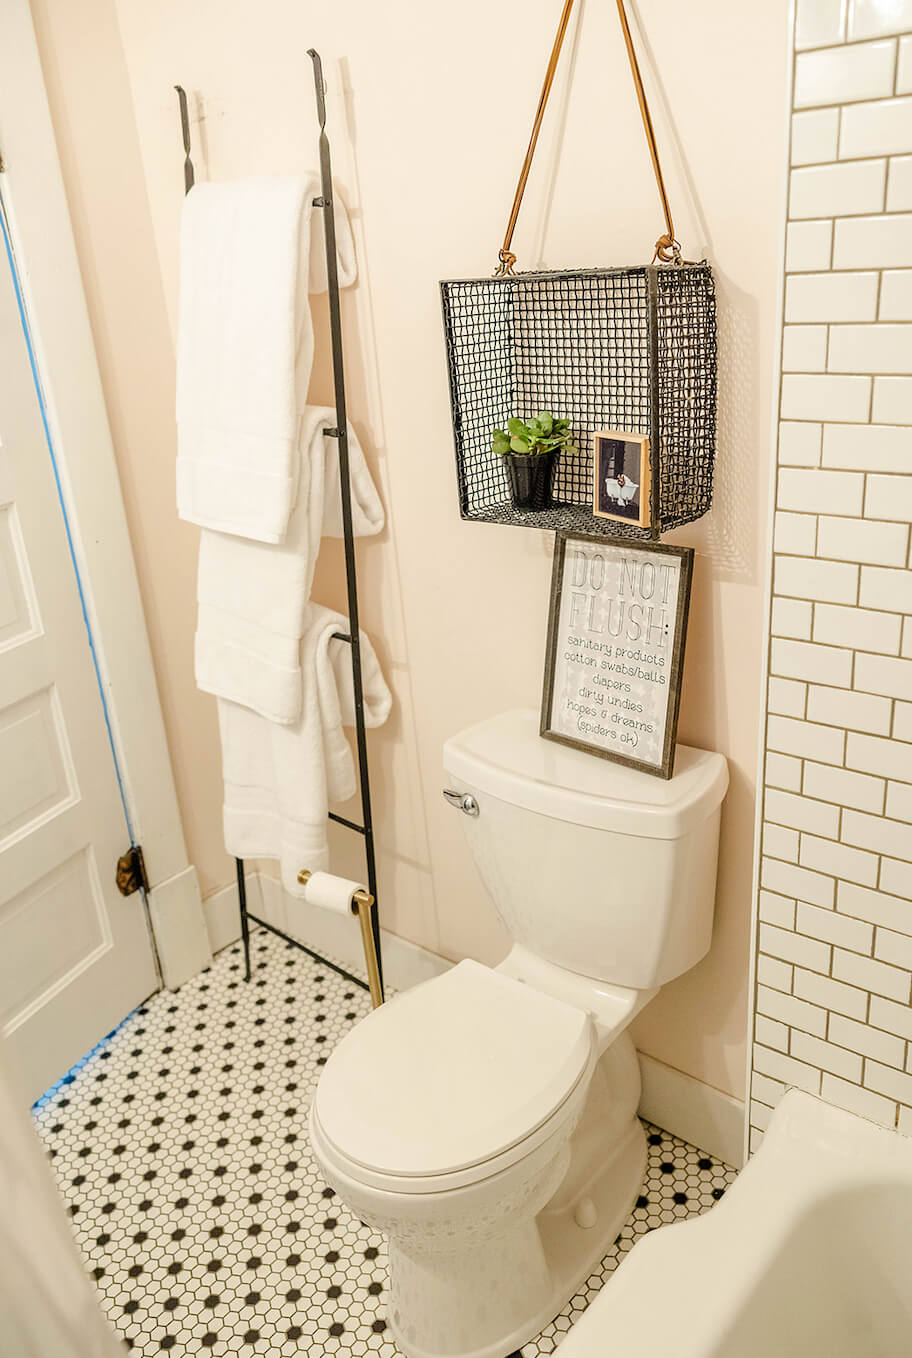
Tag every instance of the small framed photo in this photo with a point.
(621, 479)
(615, 651)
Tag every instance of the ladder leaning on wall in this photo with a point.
(364, 904)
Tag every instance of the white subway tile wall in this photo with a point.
(834, 962)
(871, 18)
(839, 74)
(809, 246)
(904, 70)
(815, 136)
(821, 24)
(892, 402)
(899, 181)
(871, 242)
(896, 296)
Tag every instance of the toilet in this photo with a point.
(485, 1121)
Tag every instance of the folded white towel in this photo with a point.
(245, 348)
(280, 780)
(253, 596)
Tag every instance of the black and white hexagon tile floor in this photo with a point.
(180, 1147)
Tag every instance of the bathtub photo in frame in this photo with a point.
(621, 477)
(615, 650)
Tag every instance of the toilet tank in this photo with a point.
(592, 865)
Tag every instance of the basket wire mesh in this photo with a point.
(625, 349)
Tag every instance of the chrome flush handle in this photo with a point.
(463, 801)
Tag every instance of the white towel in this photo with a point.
(253, 596)
(280, 780)
(245, 348)
(345, 248)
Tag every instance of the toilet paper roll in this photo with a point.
(330, 892)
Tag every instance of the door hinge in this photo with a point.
(131, 871)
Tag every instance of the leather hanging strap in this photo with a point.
(667, 248)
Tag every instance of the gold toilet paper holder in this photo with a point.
(362, 903)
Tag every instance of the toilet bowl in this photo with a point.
(485, 1121)
(471, 1090)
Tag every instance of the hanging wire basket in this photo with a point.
(624, 350)
(621, 349)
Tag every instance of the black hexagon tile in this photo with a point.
(180, 1148)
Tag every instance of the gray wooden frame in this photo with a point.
(686, 557)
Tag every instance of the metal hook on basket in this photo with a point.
(668, 250)
(507, 260)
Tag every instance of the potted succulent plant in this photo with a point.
(529, 448)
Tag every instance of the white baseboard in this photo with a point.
(404, 963)
(221, 911)
(695, 1111)
(178, 923)
(678, 1103)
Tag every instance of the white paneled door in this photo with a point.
(75, 955)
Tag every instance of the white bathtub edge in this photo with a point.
(705, 1268)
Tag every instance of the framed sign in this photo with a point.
(620, 477)
(615, 648)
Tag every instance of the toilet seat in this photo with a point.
(452, 1081)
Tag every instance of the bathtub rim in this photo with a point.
(811, 1152)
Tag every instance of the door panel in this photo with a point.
(38, 782)
(75, 956)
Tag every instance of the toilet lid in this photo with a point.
(451, 1074)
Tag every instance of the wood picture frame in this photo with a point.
(614, 656)
(621, 477)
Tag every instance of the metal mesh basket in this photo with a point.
(626, 349)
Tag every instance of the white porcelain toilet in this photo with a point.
(486, 1120)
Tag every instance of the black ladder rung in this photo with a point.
(341, 636)
(349, 824)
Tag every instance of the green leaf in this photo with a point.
(546, 421)
(500, 443)
(517, 428)
(536, 428)
(520, 445)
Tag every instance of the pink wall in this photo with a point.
(428, 140)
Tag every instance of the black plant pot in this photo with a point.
(531, 475)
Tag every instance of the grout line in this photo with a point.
(845, 44)
(875, 157)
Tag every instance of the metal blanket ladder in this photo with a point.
(364, 904)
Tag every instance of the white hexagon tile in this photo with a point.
(180, 1148)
